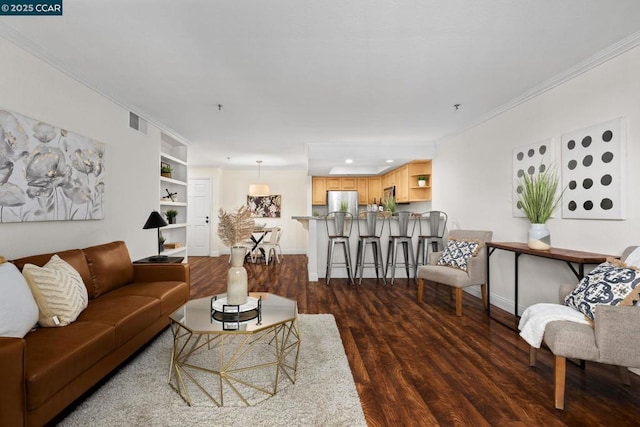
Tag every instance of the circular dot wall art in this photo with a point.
(529, 160)
(593, 172)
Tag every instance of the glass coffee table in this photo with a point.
(239, 351)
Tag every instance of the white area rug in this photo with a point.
(324, 393)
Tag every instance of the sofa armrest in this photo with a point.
(477, 269)
(616, 328)
(13, 399)
(434, 257)
(565, 289)
(176, 272)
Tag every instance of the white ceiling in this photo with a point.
(308, 83)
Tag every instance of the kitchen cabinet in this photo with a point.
(348, 183)
(334, 183)
(363, 191)
(417, 169)
(318, 190)
(375, 189)
(404, 178)
(402, 184)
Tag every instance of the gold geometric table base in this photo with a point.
(250, 366)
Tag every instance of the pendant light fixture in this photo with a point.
(259, 189)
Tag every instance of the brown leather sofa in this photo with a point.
(129, 304)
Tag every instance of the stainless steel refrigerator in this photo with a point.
(336, 198)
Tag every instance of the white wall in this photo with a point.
(472, 176)
(31, 87)
(229, 191)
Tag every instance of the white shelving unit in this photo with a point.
(174, 154)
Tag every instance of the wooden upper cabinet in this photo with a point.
(404, 178)
(375, 189)
(402, 184)
(318, 190)
(334, 183)
(348, 183)
(363, 190)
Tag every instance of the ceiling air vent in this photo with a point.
(138, 123)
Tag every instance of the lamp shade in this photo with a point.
(155, 220)
(258, 190)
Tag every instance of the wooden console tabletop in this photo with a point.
(567, 255)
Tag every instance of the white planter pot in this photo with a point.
(539, 237)
(422, 183)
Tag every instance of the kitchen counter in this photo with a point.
(317, 249)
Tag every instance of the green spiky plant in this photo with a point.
(538, 195)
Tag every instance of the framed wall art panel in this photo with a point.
(593, 173)
(48, 173)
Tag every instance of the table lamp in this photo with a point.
(155, 220)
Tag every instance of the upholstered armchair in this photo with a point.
(612, 340)
(476, 268)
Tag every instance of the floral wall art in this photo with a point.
(265, 206)
(48, 173)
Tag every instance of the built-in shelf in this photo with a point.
(174, 154)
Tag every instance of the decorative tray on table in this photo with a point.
(231, 315)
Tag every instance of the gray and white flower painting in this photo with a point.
(48, 173)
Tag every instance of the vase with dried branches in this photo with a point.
(233, 229)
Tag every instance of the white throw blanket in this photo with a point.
(535, 319)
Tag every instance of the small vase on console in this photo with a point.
(539, 237)
(237, 287)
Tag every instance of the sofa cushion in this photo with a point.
(611, 283)
(75, 258)
(171, 294)
(110, 266)
(128, 314)
(58, 290)
(458, 252)
(18, 309)
(56, 356)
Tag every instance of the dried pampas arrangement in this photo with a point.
(235, 227)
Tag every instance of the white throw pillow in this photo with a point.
(58, 290)
(633, 258)
(18, 309)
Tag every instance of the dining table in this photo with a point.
(257, 236)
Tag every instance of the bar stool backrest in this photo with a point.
(436, 224)
(339, 224)
(367, 225)
(405, 224)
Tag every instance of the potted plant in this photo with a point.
(344, 207)
(171, 215)
(161, 240)
(422, 181)
(165, 170)
(537, 198)
(389, 205)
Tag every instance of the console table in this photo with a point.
(569, 256)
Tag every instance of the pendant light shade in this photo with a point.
(258, 189)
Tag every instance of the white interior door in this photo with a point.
(199, 217)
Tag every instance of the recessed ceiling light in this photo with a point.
(390, 161)
(348, 161)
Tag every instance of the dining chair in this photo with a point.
(271, 245)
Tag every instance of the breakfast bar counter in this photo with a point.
(317, 249)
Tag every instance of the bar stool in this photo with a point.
(339, 226)
(432, 227)
(401, 228)
(369, 236)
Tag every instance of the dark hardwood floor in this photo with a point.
(419, 364)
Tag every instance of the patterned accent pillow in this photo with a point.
(458, 252)
(611, 283)
(58, 290)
